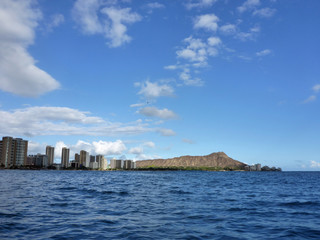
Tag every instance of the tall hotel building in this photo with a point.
(13, 152)
(84, 158)
(65, 157)
(50, 154)
(102, 161)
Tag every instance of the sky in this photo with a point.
(138, 79)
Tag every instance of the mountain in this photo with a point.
(219, 159)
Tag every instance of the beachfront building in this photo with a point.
(127, 164)
(65, 157)
(102, 162)
(13, 152)
(39, 160)
(84, 159)
(116, 163)
(50, 154)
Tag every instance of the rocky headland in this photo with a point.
(218, 161)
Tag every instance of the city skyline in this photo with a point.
(160, 79)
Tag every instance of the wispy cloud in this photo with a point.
(186, 140)
(18, 71)
(166, 132)
(228, 29)
(312, 98)
(154, 5)
(316, 88)
(112, 25)
(264, 12)
(45, 121)
(188, 80)
(263, 53)
(248, 5)
(249, 35)
(159, 113)
(199, 3)
(55, 21)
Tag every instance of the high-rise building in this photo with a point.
(116, 163)
(128, 164)
(102, 162)
(77, 157)
(65, 157)
(38, 160)
(13, 152)
(50, 154)
(84, 158)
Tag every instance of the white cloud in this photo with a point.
(314, 164)
(18, 73)
(113, 23)
(263, 53)
(160, 113)
(312, 98)
(228, 29)
(35, 148)
(82, 145)
(44, 121)
(316, 88)
(95, 148)
(207, 21)
(214, 41)
(155, 90)
(166, 132)
(109, 148)
(85, 13)
(198, 51)
(248, 5)
(199, 3)
(264, 12)
(117, 32)
(58, 149)
(171, 67)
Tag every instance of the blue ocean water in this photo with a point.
(159, 205)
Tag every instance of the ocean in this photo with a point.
(159, 205)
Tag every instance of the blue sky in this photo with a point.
(148, 79)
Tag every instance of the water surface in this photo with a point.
(159, 205)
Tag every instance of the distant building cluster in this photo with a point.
(254, 167)
(14, 153)
(257, 167)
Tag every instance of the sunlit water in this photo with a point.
(159, 205)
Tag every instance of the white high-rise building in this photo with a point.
(102, 162)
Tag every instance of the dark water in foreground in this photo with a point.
(159, 205)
